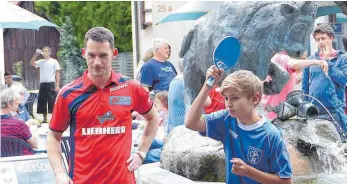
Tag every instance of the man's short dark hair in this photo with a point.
(323, 29)
(99, 34)
(46, 47)
(7, 74)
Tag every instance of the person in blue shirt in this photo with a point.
(255, 151)
(157, 73)
(22, 113)
(176, 100)
(328, 87)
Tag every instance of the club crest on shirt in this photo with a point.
(107, 116)
(254, 155)
(120, 100)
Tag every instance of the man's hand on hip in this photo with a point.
(135, 162)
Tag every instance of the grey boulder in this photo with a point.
(193, 156)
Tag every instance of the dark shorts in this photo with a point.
(47, 95)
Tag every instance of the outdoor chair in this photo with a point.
(30, 103)
(17, 78)
(11, 146)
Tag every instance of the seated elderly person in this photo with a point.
(22, 113)
(11, 126)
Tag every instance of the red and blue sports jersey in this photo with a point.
(100, 126)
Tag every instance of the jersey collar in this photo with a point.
(252, 126)
(114, 78)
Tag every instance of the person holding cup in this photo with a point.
(49, 80)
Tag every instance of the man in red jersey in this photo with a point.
(97, 107)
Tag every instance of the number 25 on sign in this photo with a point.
(164, 8)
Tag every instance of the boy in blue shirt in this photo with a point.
(255, 151)
(328, 87)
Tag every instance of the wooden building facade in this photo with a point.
(21, 44)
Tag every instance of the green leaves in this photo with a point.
(115, 15)
(69, 54)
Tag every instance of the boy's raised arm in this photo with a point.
(194, 119)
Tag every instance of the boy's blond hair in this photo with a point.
(245, 82)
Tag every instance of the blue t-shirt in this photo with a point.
(259, 145)
(157, 75)
(22, 113)
(176, 105)
(330, 90)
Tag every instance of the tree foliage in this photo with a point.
(115, 15)
(70, 55)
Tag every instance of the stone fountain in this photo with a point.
(263, 28)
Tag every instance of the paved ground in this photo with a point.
(39, 117)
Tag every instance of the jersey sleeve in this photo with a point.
(215, 124)
(280, 160)
(142, 100)
(60, 117)
(147, 75)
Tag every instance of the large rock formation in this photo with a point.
(315, 143)
(263, 28)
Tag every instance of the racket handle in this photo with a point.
(210, 81)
